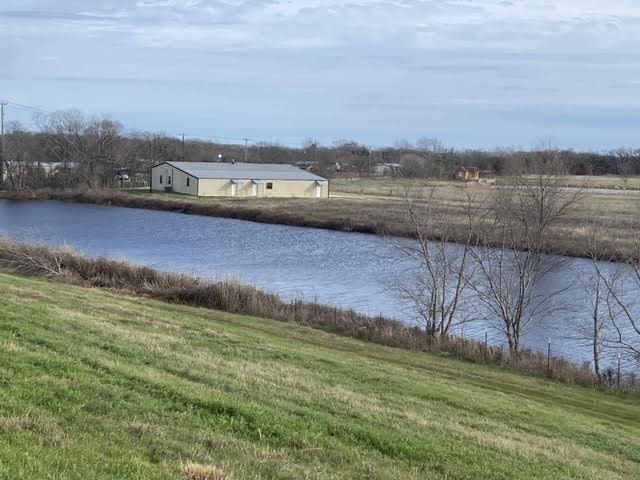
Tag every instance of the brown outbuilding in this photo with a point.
(468, 174)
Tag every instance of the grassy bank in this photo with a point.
(374, 213)
(69, 267)
(102, 385)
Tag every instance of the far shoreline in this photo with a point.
(381, 217)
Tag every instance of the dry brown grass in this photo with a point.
(47, 431)
(397, 186)
(139, 428)
(197, 471)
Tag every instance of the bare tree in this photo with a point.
(512, 264)
(431, 145)
(436, 286)
(622, 289)
(412, 165)
(91, 148)
(104, 150)
(24, 157)
(594, 331)
(32, 259)
(403, 145)
(357, 156)
(627, 161)
(434, 156)
(16, 156)
(507, 284)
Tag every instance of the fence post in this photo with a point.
(549, 357)
(486, 346)
(619, 359)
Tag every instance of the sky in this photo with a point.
(474, 74)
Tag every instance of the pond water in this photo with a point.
(347, 270)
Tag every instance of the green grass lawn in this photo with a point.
(99, 385)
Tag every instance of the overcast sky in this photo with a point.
(472, 73)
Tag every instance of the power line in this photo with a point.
(222, 139)
(243, 139)
(27, 107)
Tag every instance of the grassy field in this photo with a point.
(98, 385)
(397, 187)
(604, 199)
(390, 187)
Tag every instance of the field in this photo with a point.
(397, 187)
(602, 200)
(98, 385)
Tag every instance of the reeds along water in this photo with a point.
(66, 265)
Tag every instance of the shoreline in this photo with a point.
(272, 212)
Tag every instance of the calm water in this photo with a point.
(343, 269)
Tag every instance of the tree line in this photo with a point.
(71, 149)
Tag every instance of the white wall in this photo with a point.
(178, 180)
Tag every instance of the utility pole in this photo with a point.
(183, 159)
(2, 170)
(246, 146)
(371, 158)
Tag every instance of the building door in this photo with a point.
(234, 189)
(169, 186)
(318, 191)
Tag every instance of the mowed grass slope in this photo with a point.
(100, 385)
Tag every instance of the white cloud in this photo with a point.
(455, 57)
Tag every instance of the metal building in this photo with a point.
(216, 179)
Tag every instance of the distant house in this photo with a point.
(384, 169)
(468, 174)
(215, 179)
(309, 166)
(50, 168)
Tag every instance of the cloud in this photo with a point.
(342, 59)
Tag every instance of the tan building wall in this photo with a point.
(247, 188)
(214, 188)
(174, 178)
